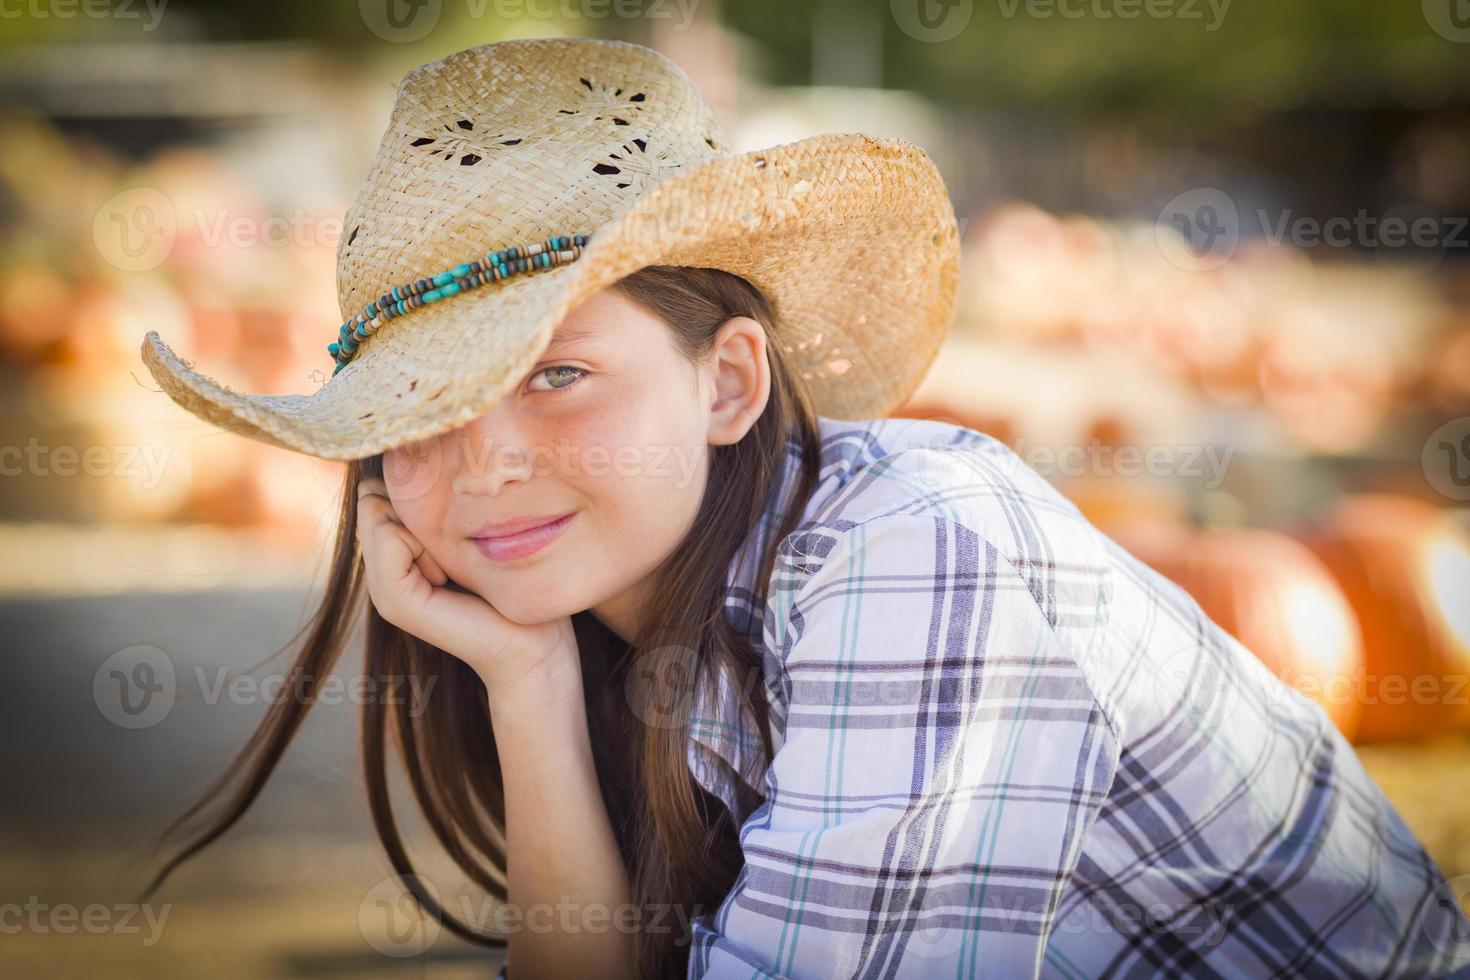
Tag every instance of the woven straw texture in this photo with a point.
(852, 238)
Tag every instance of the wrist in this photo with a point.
(551, 685)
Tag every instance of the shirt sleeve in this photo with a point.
(938, 758)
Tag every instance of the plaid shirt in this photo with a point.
(1004, 747)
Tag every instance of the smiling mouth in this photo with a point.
(509, 547)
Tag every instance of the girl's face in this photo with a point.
(612, 427)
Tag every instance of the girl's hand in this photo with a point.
(411, 591)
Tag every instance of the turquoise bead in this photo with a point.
(495, 265)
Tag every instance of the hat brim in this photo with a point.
(852, 238)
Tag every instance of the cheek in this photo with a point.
(415, 474)
(423, 516)
(644, 458)
(645, 429)
(648, 488)
(639, 463)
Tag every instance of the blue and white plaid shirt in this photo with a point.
(1004, 747)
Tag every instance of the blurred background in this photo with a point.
(1215, 285)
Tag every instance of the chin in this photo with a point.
(530, 604)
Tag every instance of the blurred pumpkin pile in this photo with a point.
(1365, 610)
(1329, 349)
(102, 250)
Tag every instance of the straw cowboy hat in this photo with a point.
(518, 178)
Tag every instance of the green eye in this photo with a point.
(564, 373)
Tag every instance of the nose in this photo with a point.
(488, 454)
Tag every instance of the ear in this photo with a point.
(740, 379)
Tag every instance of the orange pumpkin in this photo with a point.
(1112, 502)
(1405, 566)
(1269, 592)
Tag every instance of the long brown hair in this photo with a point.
(679, 844)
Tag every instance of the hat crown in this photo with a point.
(508, 143)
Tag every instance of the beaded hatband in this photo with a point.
(497, 265)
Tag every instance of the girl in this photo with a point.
(739, 687)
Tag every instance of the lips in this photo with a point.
(508, 528)
(509, 547)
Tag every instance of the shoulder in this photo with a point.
(902, 491)
(933, 555)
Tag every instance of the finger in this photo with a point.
(431, 568)
(372, 488)
(373, 501)
(392, 575)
